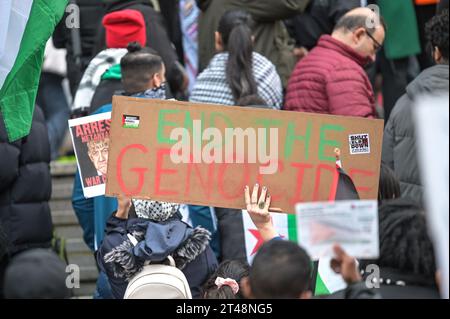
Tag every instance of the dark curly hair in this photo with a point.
(437, 33)
(404, 241)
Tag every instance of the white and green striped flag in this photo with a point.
(25, 27)
(327, 281)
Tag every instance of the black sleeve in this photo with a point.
(114, 223)
(360, 291)
(171, 12)
(339, 8)
(60, 35)
(9, 159)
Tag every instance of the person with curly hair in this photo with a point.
(399, 144)
(407, 261)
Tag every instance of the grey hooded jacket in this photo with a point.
(399, 144)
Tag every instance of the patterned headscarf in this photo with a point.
(155, 211)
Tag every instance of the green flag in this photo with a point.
(26, 25)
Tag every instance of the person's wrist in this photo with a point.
(353, 278)
(121, 214)
(267, 232)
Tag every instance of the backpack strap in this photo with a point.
(171, 260)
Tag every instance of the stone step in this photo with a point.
(69, 231)
(63, 218)
(88, 274)
(82, 260)
(61, 189)
(77, 246)
(61, 205)
(86, 290)
(63, 169)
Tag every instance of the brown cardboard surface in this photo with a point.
(140, 165)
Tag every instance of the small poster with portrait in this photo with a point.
(90, 138)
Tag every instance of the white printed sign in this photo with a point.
(351, 224)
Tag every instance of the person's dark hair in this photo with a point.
(138, 66)
(43, 272)
(351, 22)
(176, 80)
(235, 28)
(281, 270)
(404, 242)
(437, 33)
(389, 185)
(252, 101)
(233, 269)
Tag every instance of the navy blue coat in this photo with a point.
(196, 272)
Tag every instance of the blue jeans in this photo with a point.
(53, 102)
(103, 290)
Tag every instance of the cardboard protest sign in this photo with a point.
(90, 138)
(352, 224)
(205, 154)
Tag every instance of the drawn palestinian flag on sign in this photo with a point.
(327, 282)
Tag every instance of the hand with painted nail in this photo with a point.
(258, 209)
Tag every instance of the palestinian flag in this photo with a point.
(25, 27)
(327, 281)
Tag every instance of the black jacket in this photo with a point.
(319, 18)
(157, 35)
(196, 271)
(91, 12)
(398, 285)
(104, 93)
(25, 187)
(399, 143)
(170, 10)
(394, 284)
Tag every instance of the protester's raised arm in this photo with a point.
(345, 265)
(258, 209)
(124, 205)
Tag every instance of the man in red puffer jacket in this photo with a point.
(332, 79)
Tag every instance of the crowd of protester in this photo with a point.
(300, 55)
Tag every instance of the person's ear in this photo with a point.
(246, 289)
(218, 42)
(156, 80)
(358, 34)
(305, 295)
(437, 55)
